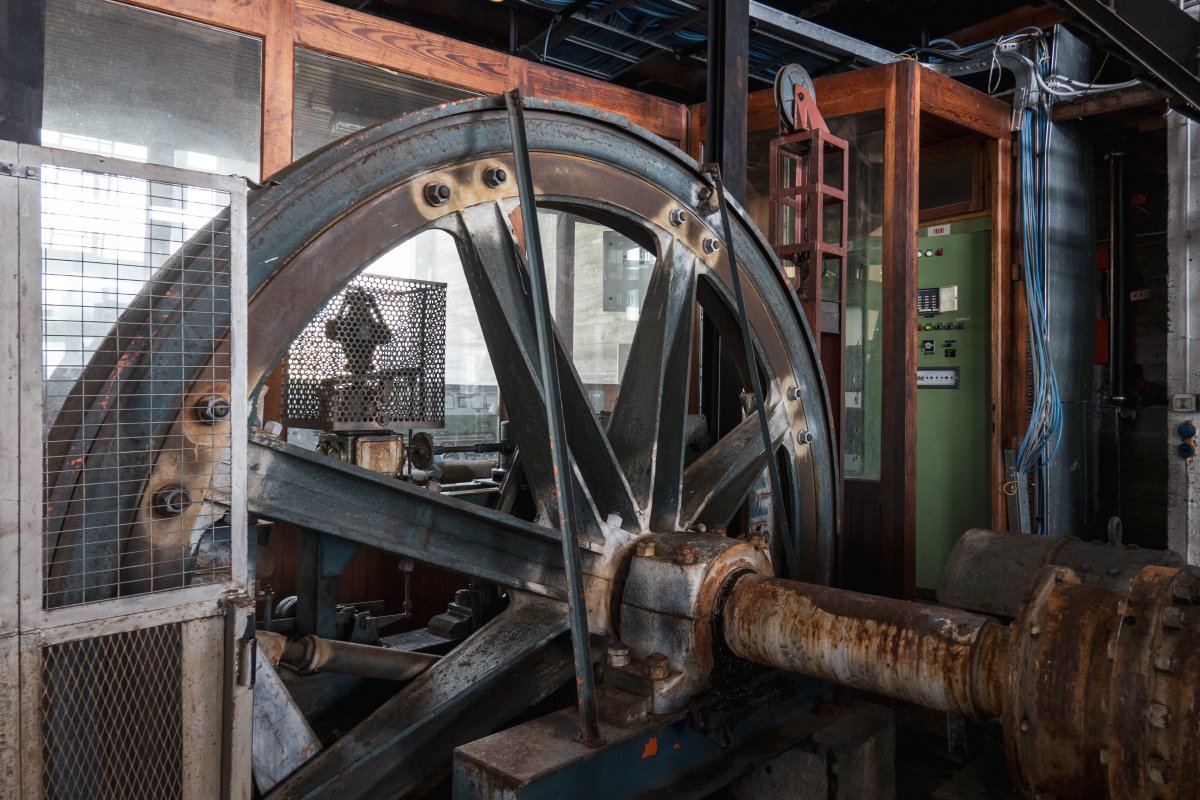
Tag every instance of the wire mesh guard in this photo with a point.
(373, 358)
(122, 258)
(111, 712)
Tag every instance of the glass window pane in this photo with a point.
(863, 377)
(597, 281)
(147, 87)
(335, 97)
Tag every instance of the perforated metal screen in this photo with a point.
(111, 717)
(123, 260)
(373, 358)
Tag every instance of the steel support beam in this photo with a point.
(22, 56)
(728, 90)
(1154, 35)
(1183, 330)
(817, 38)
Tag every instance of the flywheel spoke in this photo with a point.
(499, 286)
(508, 666)
(289, 484)
(648, 421)
(716, 484)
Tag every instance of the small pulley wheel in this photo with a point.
(786, 81)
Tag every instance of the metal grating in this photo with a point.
(373, 358)
(112, 716)
(122, 259)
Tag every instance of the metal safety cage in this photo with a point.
(123, 546)
(372, 358)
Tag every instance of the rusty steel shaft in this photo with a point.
(937, 657)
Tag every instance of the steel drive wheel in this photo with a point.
(316, 224)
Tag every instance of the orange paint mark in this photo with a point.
(676, 746)
(651, 749)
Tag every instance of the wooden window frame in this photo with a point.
(284, 25)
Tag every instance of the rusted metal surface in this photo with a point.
(1154, 695)
(937, 657)
(668, 606)
(1057, 687)
(987, 571)
(1103, 691)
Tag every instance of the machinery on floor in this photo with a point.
(705, 595)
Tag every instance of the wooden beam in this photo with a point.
(361, 37)
(898, 467)
(1030, 15)
(1003, 289)
(278, 87)
(243, 16)
(947, 98)
(1110, 102)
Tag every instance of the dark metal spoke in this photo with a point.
(508, 666)
(289, 484)
(498, 282)
(716, 484)
(647, 426)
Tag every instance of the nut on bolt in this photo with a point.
(618, 655)
(645, 549)
(686, 555)
(212, 409)
(436, 193)
(677, 217)
(172, 501)
(805, 437)
(1172, 617)
(657, 667)
(494, 177)
(711, 245)
(1158, 770)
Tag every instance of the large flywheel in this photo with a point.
(316, 225)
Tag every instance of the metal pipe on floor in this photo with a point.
(313, 654)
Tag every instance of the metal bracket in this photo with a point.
(1027, 92)
(19, 171)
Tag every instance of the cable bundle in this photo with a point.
(1044, 434)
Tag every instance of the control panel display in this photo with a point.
(937, 377)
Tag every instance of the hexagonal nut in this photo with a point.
(645, 548)
(172, 501)
(658, 668)
(686, 555)
(212, 409)
(495, 177)
(618, 655)
(436, 193)
(677, 216)
(1159, 716)
(1172, 617)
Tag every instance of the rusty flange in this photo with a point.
(1153, 714)
(1058, 685)
(1102, 691)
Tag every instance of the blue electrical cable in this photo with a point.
(1043, 437)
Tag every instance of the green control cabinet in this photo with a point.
(954, 406)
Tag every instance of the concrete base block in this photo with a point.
(852, 758)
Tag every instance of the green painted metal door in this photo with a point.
(954, 406)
